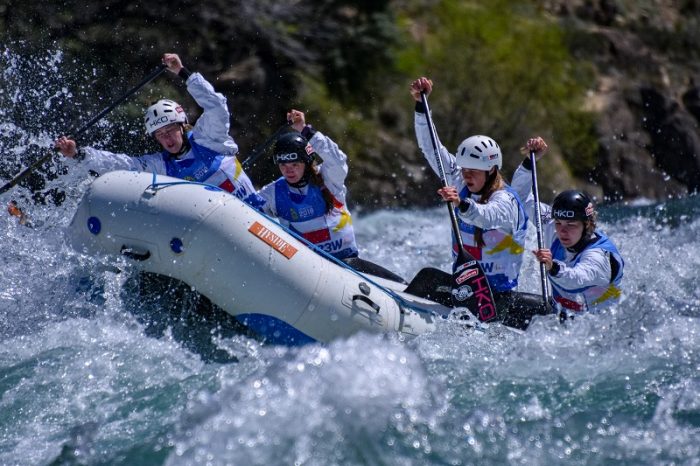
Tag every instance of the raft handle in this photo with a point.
(131, 254)
(365, 299)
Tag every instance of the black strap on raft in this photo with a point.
(366, 300)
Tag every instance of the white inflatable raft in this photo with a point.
(243, 261)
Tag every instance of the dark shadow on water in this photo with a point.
(79, 447)
(165, 304)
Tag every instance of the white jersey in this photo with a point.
(578, 272)
(502, 218)
(330, 231)
(212, 148)
(334, 170)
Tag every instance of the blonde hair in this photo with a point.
(494, 182)
(589, 225)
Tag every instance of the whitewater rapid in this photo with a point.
(101, 366)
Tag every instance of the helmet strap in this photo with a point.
(303, 181)
(185, 144)
(585, 240)
(490, 177)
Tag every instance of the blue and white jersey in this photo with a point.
(306, 214)
(502, 219)
(304, 210)
(504, 240)
(212, 155)
(584, 281)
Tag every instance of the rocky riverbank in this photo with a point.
(614, 85)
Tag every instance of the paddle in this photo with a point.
(470, 287)
(538, 225)
(262, 148)
(433, 284)
(10, 184)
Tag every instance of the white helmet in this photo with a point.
(479, 153)
(163, 113)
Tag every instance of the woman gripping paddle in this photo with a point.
(583, 265)
(491, 217)
(204, 152)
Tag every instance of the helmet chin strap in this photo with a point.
(303, 181)
(582, 243)
(489, 179)
(185, 145)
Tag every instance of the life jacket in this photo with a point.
(306, 214)
(502, 254)
(205, 165)
(590, 298)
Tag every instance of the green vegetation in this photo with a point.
(500, 68)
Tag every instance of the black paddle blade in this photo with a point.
(467, 287)
(471, 289)
(432, 284)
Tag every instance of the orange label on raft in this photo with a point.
(277, 243)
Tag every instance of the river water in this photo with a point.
(101, 366)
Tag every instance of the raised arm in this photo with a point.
(334, 167)
(103, 161)
(212, 127)
(522, 184)
(452, 171)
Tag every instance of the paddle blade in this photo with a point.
(471, 289)
(432, 284)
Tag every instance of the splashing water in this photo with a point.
(93, 373)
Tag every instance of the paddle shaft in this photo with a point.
(538, 225)
(258, 151)
(470, 285)
(461, 253)
(9, 185)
